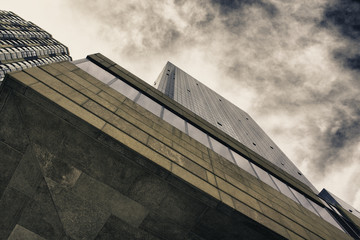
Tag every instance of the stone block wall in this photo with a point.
(81, 161)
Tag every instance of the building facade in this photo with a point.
(24, 44)
(227, 117)
(90, 151)
(348, 216)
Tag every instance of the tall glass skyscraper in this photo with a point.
(24, 45)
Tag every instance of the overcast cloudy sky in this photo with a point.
(292, 65)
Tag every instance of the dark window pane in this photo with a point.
(198, 135)
(149, 104)
(96, 71)
(174, 120)
(221, 149)
(264, 176)
(243, 163)
(284, 189)
(125, 89)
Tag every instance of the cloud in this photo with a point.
(293, 66)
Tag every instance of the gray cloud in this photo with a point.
(299, 61)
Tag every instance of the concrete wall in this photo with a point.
(80, 161)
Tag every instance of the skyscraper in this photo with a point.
(90, 151)
(24, 44)
(227, 117)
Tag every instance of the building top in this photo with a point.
(24, 44)
(225, 116)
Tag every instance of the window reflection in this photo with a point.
(221, 149)
(284, 189)
(264, 176)
(149, 104)
(243, 163)
(174, 120)
(125, 89)
(96, 71)
(303, 200)
(198, 135)
(325, 214)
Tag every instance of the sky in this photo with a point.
(294, 66)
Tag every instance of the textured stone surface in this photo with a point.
(85, 172)
(12, 130)
(12, 203)
(19, 232)
(115, 228)
(40, 215)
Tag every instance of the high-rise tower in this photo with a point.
(24, 45)
(225, 116)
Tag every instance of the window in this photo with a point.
(325, 214)
(243, 163)
(221, 149)
(284, 189)
(198, 135)
(149, 104)
(174, 120)
(303, 200)
(96, 71)
(264, 176)
(125, 89)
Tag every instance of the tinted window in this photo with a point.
(243, 163)
(264, 176)
(149, 104)
(96, 71)
(221, 149)
(174, 120)
(284, 189)
(198, 135)
(325, 214)
(125, 89)
(303, 200)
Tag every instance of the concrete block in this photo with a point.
(57, 85)
(238, 194)
(137, 146)
(69, 105)
(177, 157)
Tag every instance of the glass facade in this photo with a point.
(204, 138)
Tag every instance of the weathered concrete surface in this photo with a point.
(80, 161)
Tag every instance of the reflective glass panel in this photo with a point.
(221, 149)
(198, 135)
(125, 89)
(303, 200)
(174, 120)
(325, 214)
(243, 163)
(264, 176)
(149, 104)
(284, 189)
(96, 71)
